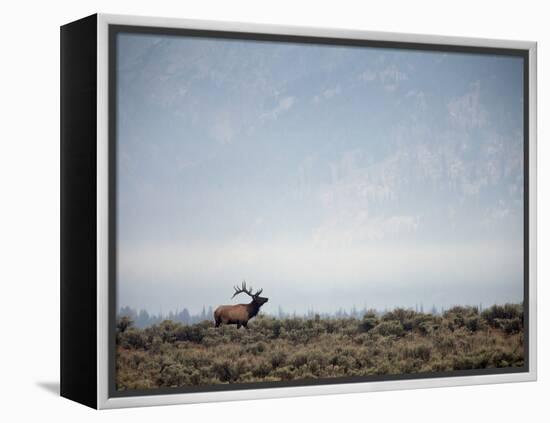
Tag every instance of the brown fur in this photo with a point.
(238, 314)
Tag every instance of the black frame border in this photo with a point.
(78, 211)
(115, 29)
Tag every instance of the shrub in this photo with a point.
(123, 323)
(192, 333)
(369, 322)
(284, 373)
(402, 341)
(299, 359)
(132, 338)
(277, 358)
(399, 314)
(509, 326)
(226, 370)
(387, 328)
(475, 323)
(507, 311)
(418, 351)
(262, 369)
(276, 328)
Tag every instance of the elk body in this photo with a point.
(240, 314)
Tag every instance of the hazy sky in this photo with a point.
(329, 176)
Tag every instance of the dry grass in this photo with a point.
(399, 342)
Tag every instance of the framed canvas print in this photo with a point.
(254, 211)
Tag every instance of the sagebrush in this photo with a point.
(398, 342)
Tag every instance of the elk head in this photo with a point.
(256, 299)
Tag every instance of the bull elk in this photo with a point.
(240, 314)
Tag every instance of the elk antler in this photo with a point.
(243, 289)
(258, 292)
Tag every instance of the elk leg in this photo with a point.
(245, 324)
(238, 325)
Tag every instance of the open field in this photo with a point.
(398, 342)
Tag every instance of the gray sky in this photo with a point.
(329, 176)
